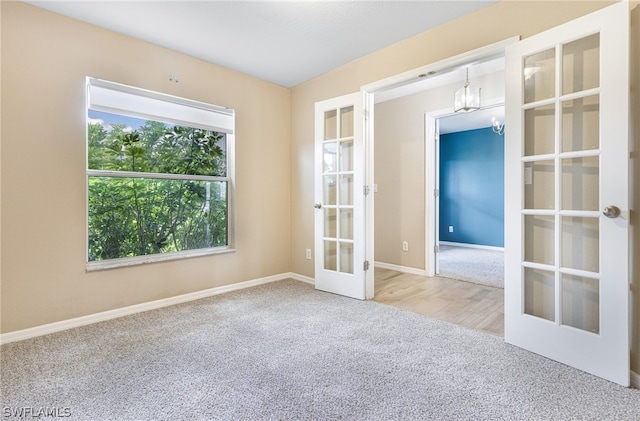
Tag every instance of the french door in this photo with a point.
(340, 192)
(567, 209)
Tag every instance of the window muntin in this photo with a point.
(158, 188)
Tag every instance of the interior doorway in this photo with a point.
(405, 204)
(468, 234)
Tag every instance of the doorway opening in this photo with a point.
(468, 208)
(406, 207)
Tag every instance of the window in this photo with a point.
(159, 176)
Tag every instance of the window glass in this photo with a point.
(154, 187)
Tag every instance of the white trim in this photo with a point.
(369, 200)
(471, 246)
(49, 328)
(403, 269)
(155, 175)
(119, 87)
(112, 97)
(635, 380)
(302, 278)
(154, 258)
(481, 54)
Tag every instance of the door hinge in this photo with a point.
(366, 114)
(436, 192)
(436, 249)
(366, 190)
(366, 265)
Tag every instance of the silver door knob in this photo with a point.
(611, 211)
(318, 206)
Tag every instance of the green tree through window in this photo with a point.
(154, 187)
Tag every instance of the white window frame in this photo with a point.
(127, 100)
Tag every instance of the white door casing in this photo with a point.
(481, 54)
(432, 192)
(566, 159)
(340, 194)
(432, 179)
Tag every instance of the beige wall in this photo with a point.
(45, 59)
(400, 178)
(399, 164)
(492, 24)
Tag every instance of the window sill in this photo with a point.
(153, 258)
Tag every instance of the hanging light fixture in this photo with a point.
(467, 98)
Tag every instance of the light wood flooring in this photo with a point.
(466, 304)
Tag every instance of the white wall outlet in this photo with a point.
(528, 175)
(405, 246)
(450, 228)
(308, 254)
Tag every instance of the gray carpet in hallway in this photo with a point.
(285, 351)
(472, 265)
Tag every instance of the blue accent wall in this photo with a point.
(472, 187)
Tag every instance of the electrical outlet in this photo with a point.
(450, 228)
(308, 254)
(405, 246)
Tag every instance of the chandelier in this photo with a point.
(467, 98)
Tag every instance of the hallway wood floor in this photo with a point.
(466, 304)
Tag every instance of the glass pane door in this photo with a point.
(561, 173)
(339, 199)
(338, 189)
(567, 193)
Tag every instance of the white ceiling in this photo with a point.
(284, 42)
(471, 121)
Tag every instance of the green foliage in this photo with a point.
(140, 216)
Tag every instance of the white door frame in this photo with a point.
(431, 173)
(478, 55)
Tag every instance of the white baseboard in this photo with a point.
(403, 269)
(471, 246)
(301, 278)
(46, 329)
(635, 380)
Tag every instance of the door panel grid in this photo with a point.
(561, 112)
(338, 189)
